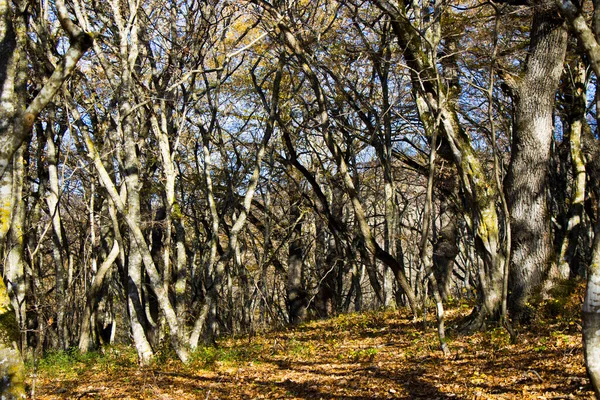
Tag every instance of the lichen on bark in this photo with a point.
(12, 370)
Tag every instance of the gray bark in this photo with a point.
(14, 270)
(15, 125)
(591, 316)
(527, 177)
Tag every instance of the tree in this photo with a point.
(437, 104)
(527, 177)
(17, 120)
(591, 303)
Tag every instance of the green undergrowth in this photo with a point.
(209, 356)
(73, 362)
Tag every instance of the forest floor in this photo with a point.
(373, 355)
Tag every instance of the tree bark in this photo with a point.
(575, 124)
(527, 177)
(296, 295)
(591, 315)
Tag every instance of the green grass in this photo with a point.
(72, 361)
(208, 356)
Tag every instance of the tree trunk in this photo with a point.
(60, 251)
(14, 271)
(436, 105)
(445, 247)
(527, 176)
(575, 124)
(591, 316)
(86, 334)
(296, 295)
(130, 170)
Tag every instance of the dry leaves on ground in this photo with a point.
(375, 355)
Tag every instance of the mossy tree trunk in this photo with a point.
(591, 304)
(436, 102)
(15, 124)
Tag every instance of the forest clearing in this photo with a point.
(373, 355)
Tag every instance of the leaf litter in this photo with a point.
(373, 355)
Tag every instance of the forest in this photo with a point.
(178, 171)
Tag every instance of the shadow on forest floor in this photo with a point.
(375, 355)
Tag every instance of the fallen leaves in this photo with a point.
(382, 355)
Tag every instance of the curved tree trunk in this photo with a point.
(15, 124)
(527, 176)
(436, 104)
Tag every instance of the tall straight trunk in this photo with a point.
(135, 278)
(576, 123)
(385, 155)
(591, 315)
(527, 177)
(14, 271)
(296, 295)
(60, 250)
(214, 270)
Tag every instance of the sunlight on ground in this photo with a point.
(376, 355)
